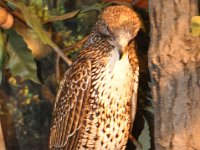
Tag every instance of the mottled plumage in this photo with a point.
(96, 101)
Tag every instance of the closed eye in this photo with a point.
(106, 31)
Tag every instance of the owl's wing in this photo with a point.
(70, 106)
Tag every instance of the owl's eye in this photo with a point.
(102, 28)
(106, 31)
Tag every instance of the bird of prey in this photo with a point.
(96, 100)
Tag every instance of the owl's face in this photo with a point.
(120, 23)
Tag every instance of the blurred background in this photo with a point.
(31, 37)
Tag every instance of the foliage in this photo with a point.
(2, 45)
(21, 62)
(195, 25)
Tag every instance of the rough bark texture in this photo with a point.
(174, 63)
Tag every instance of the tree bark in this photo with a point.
(174, 63)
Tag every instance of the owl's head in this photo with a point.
(120, 22)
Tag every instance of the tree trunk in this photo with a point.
(174, 63)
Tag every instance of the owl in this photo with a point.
(96, 101)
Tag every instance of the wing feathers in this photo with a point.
(70, 105)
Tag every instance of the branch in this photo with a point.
(135, 142)
(61, 54)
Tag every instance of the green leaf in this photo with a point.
(2, 49)
(72, 14)
(1, 53)
(21, 62)
(144, 137)
(91, 8)
(63, 17)
(38, 3)
(33, 22)
(0, 77)
(195, 25)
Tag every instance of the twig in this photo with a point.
(61, 54)
(135, 142)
